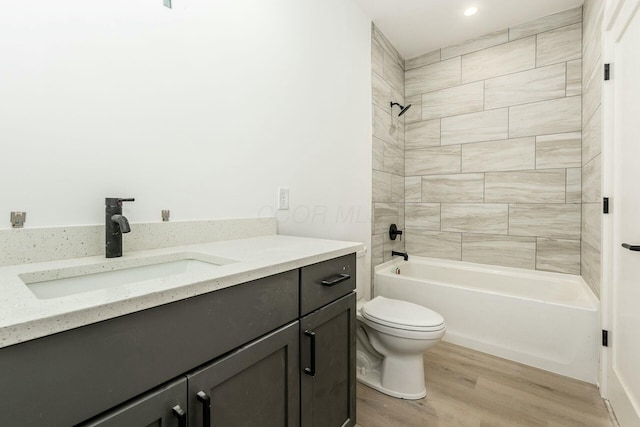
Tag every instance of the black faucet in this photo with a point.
(402, 254)
(115, 225)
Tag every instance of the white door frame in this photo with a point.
(617, 15)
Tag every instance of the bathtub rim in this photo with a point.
(594, 302)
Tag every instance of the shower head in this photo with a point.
(403, 109)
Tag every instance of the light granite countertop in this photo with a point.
(23, 316)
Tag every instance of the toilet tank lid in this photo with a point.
(400, 313)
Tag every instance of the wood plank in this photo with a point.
(467, 388)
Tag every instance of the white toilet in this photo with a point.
(391, 336)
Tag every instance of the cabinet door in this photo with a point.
(256, 385)
(165, 407)
(327, 359)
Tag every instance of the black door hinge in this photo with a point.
(605, 205)
(607, 71)
(605, 338)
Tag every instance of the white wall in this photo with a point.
(204, 109)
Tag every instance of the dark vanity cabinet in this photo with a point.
(236, 357)
(256, 385)
(165, 407)
(328, 343)
(327, 386)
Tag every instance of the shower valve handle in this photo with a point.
(394, 232)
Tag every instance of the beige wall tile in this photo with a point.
(508, 251)
(387, 128)
(422, 134)
(422, 60)
(590, 267)
(505, 155)
(392, 245)
(386, 45)
(592, 34)
(592, 140)
(559, 151)
(377, 58)
(574, 77)
(438, 160)
(463, 188)
(381, 186)
(378, 153)
(574, 185)
(383, 93)
(394, 73)
(591, 225)
(377, 245)
(488, 40)
(413, 189)
(525, 87)
(546, 23)
(545, 220)
(413, 114)
(433, 244)
(440, 75)
(591, 187)
(456, 100)
(483, 218)
(560, 45)
(385, 214)
(499, 60)
(397, 188)
(541, 186)
(476, 127)
(546, 117)
(423, 216)
(560, 256)
(591, 91)
(393, 160)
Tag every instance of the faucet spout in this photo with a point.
(116, 225)
(122, 222)
(404, 255)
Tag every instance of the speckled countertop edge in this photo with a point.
(24, 317)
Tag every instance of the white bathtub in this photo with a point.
(546, 320)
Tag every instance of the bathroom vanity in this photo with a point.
(276, 350)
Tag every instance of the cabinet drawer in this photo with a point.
(326, 281)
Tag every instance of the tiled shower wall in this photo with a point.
(493, 149)
(592, 142)
(388, 146)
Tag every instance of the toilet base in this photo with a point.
(372, 379)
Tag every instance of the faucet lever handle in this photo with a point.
(127, 200)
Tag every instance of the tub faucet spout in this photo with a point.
(402, 254)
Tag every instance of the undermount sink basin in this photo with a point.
(69, 281)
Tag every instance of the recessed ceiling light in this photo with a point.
(471, 11)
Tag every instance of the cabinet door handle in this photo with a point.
(634, 248)
(312, 370)
(181, 415)
(339, 279)
(206, 408)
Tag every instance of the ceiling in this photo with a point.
(420, 26)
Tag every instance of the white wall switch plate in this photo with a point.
(283, 198)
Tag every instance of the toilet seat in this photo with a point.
(402, 315)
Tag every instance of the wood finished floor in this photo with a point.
(467, 388)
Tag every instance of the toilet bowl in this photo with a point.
(392, 335)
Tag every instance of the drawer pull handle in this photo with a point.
(634, 248)
(181, 415)
(312, 370)
(332, 282)
(206, 408)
